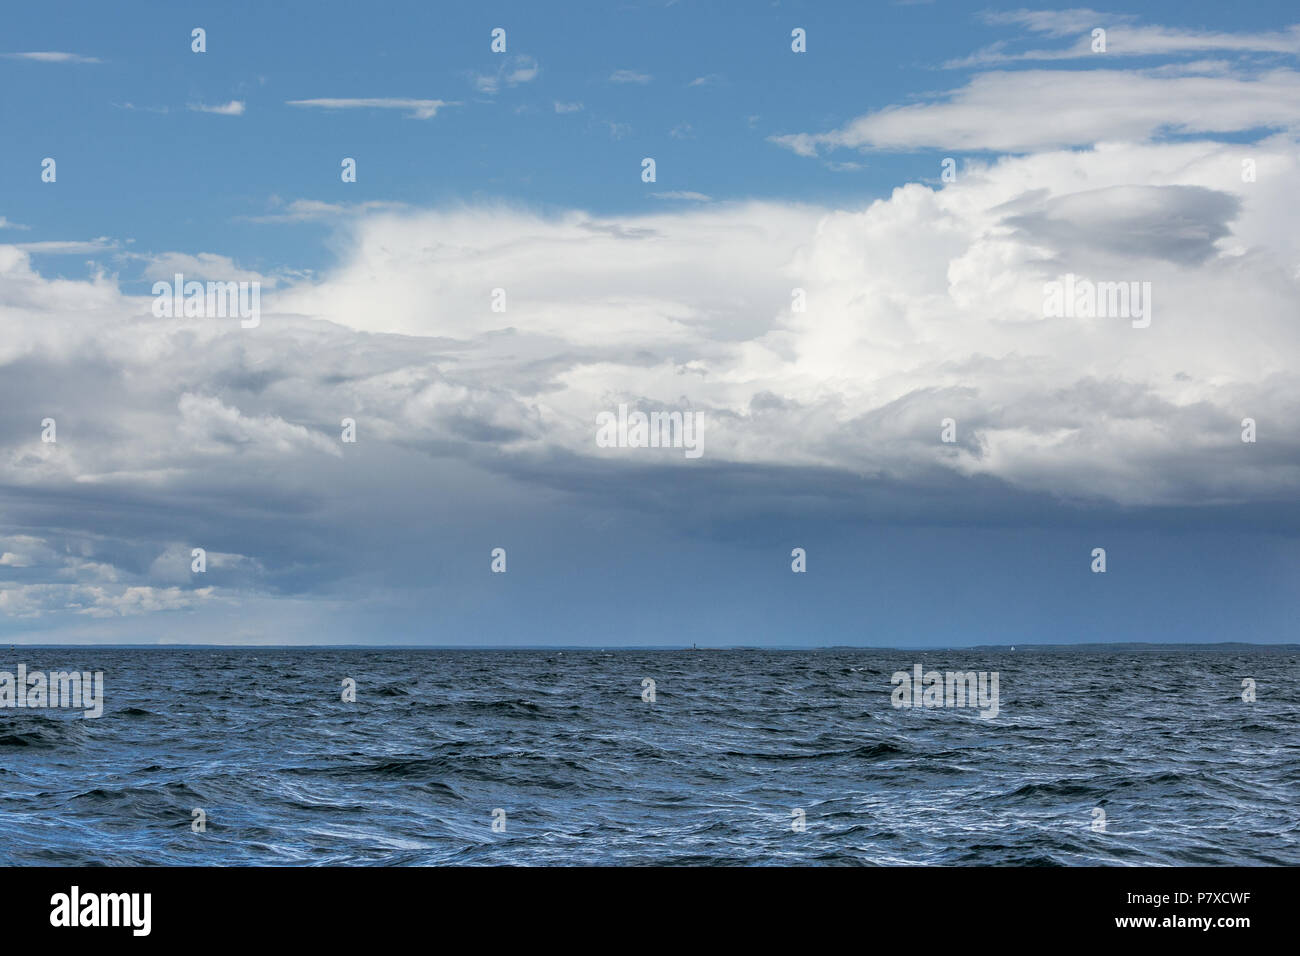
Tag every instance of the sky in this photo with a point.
(842, 248)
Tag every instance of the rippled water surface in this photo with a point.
(710, 772)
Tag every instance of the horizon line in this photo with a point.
(1130, 645)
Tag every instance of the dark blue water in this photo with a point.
(711, 772)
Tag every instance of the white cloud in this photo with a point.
(682, 194)
(925, 301)
(418, 109)
(1124, 37)
(233, 108)
(630, 76)
(1021, 111)
(137, 599)
(132, 108)
(316, 210)
(1056, 23)
(23, 551)
(922, 305)
(204, 265)
(512, 72)
(85, 586)
(52, 57)
(211, 427)
(567, 107)
(65, 247)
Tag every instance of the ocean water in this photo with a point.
(712, 772)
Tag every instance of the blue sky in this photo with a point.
(708, 84)
(775, 171)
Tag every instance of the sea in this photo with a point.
(312, 756)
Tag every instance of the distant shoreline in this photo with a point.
(1221, 646)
